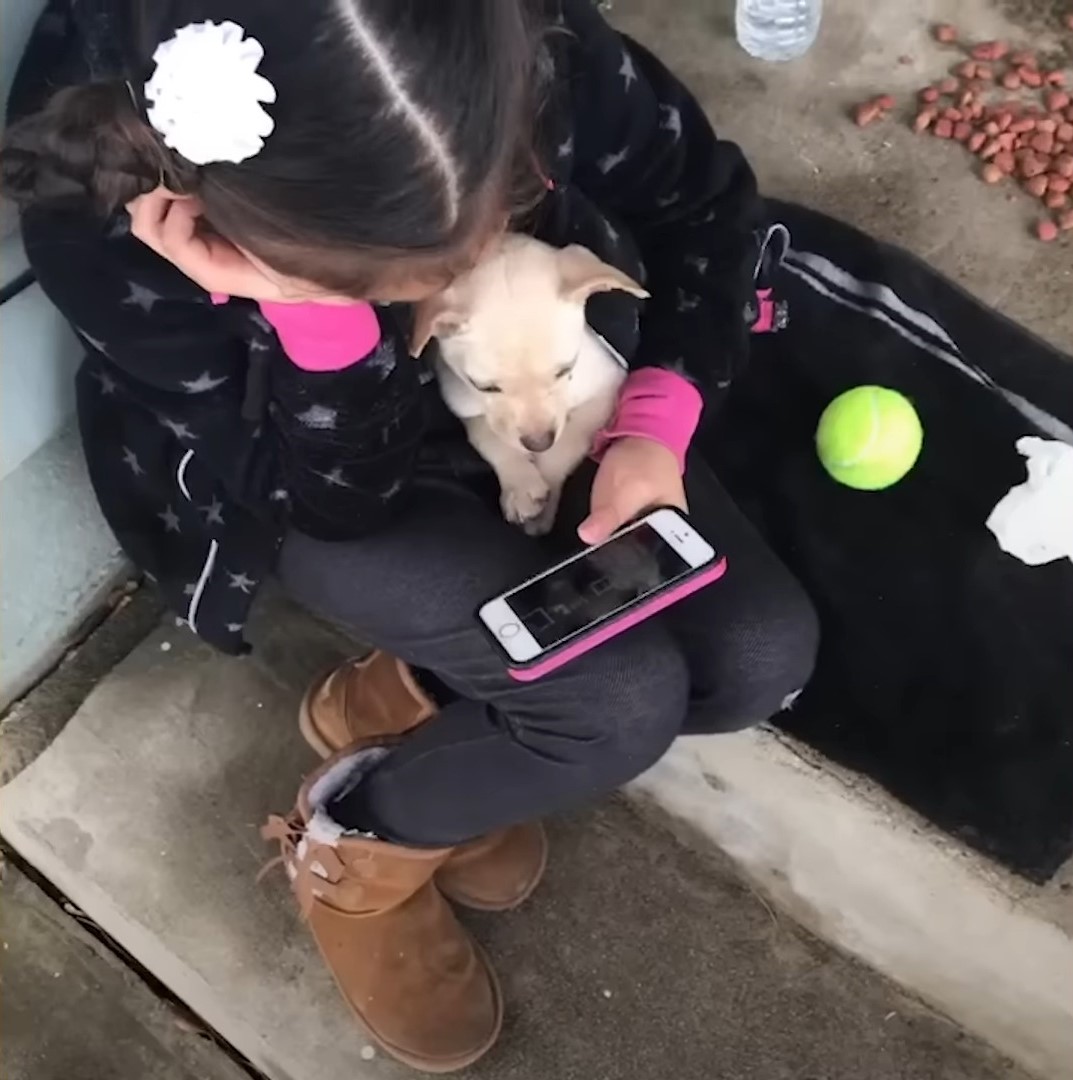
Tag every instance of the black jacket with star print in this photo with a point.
(205, 443)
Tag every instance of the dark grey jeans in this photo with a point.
(504, 752)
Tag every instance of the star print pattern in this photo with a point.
(213, 513)
(671, 120)
(321, 417)
(119, 227)
(170, 519)
(140, 297)
(241, 582)
(382, 361)
(201, 468)
(179, 430)
(627, 70)
(105, 381)
(205, 382)
(132, 462)
(334, 478)
(612, 161)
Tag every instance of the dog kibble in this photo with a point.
(1028, 134)
(990, 50)
(1036, 186)
(1046, 230)
(1032, 167)
(1063, 165)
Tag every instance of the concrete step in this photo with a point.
(638, 958)
(72, 1009)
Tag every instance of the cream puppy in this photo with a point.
(522, 370)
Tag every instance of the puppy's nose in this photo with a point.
(539, 442)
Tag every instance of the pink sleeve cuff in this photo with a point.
(655, 404)
(324, 337)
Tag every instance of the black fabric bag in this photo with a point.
(946, 669)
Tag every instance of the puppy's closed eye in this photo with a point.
(565, 370)
(486, 388)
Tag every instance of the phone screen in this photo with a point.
(604, 580)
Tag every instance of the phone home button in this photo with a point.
(509, 630)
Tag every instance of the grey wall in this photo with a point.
(57, 557)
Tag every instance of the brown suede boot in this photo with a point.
(362, 699)
(415, 978)
(376, 696)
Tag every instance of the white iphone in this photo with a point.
(573, 607)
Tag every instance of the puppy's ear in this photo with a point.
(581, 274)
(436, 317)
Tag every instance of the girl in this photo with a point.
(234, 202)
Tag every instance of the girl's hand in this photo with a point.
(635, 475)
(171, 225)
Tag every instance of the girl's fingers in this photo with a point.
(146, 214)
(169, 224)
(182, 246)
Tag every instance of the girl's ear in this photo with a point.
(436, 317)
(581, 274)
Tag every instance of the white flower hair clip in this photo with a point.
(205, 96)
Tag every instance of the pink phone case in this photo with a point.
(645, 610)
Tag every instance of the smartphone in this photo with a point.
(594, 595)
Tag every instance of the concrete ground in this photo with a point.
(73, 1010)
(917, 191)
(638, 958)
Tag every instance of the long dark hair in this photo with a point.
(402, 132)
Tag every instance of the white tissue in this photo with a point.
(1033, 521)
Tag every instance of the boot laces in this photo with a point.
(315, 869)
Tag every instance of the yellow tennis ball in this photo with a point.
(869, 437)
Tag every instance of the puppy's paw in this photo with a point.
(524, 504)
(542, 524)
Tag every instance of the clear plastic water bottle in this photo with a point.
(777, 29)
